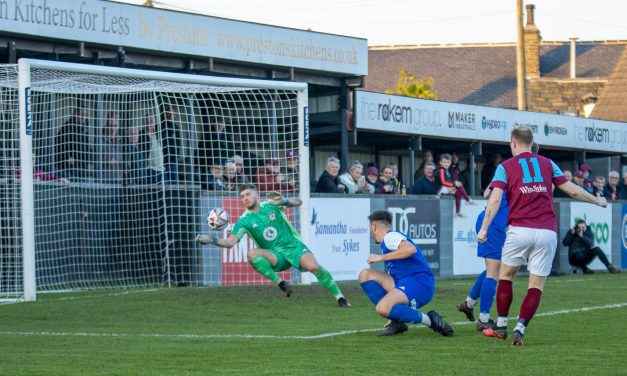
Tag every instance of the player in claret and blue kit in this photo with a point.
(484, 287)
(408, 284)
(531, 237)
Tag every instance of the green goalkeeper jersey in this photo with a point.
(270, 228)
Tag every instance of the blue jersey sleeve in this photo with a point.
(557, 172)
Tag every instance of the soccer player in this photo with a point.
(408, 283)
(484, 287)
(532, 233)
(279, 245)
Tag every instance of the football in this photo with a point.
(217, 219)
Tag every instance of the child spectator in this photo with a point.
(449, 185)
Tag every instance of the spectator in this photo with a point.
(427, 184)
(487, 172)
(291, 170)
(214, 144)
(568, 175)
(232, 180)
(151, 144)
(581, 249)
(427, 156)
(395, 179)
(72, 146)
(455, 167)
(558, 192)
(41, 175)
(622, 185)
(354, 180)
(328, 182)
(465, 177)
(578, 179)
(372, 180)
(270, 178)
(449, 186)
(388, 185)
(112, 150)
(215, 180)
(170, 139)
(612, 190)
(588, 184)
(598, 188)
(239, 164)
(135, 172)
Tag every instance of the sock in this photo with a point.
(406, 314)
(530, 305)
(484, 317)
(426, 321)
(263, 267)
(520, 326)
(374, 291)
(504, 296)
(488, 290)
(475, 290)
(501, 321)
(327, 281)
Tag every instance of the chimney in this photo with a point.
(532, 45)
(573, 57)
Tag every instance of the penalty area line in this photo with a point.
(261, 336)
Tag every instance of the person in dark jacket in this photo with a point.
(427, 184)
(328, 182)
(215, 143)
(72, 146)
(487, 172)
(169, 139)
(581, 249)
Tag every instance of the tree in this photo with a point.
(410, 86)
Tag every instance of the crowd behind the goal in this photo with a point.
(151, 153)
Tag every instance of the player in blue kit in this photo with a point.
(408, 284)
(484, 287)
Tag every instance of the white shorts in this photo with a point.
(530, 246)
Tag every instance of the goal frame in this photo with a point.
(25, 139)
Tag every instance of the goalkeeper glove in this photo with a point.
(277, 199)
(204, 239)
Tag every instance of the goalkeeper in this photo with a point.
(279, 245)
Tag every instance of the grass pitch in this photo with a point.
(256, 331)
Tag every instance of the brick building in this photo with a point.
(485, 74)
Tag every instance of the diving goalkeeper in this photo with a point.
(279, 245)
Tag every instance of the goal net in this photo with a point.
(126, 164)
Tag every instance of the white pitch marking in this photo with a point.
(253, 336)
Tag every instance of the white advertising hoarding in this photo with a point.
(340, 238)
(600, 222)
(414, 116)
(105, 22)
(465, 260)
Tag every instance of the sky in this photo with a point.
(394, 22)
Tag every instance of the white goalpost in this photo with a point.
(123, 167)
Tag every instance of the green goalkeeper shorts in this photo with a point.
(290, 256)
